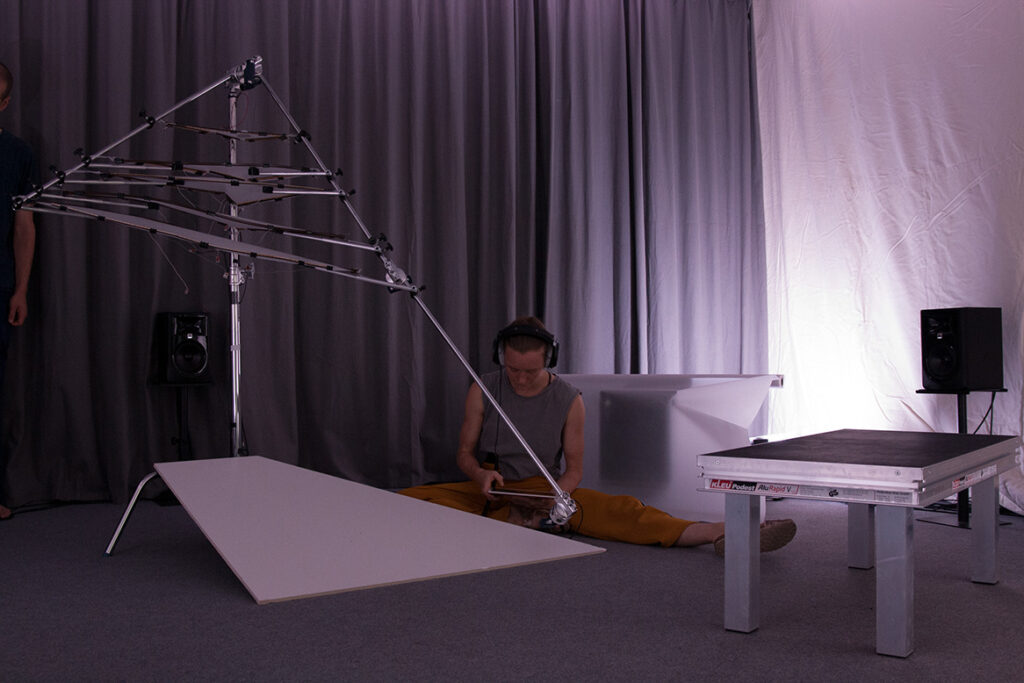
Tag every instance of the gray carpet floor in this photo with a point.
(166, 607)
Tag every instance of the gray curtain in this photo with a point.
(595, 163)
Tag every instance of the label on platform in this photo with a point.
(894, 497)
(778, 489)
(730, 485)
(814, 491)
(852, 494)
(973, 478)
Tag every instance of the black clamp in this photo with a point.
(382, 244)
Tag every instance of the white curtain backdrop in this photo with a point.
(893, 152)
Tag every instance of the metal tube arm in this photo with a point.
(564, 506)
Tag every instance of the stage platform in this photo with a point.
(288, 532)
(881, 476)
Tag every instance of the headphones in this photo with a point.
(550, 353)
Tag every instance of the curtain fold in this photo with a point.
(594, 163)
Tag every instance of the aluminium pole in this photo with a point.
(236, 280)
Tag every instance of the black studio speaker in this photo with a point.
(180, 351)
(962, 349)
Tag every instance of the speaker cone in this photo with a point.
(190, 358)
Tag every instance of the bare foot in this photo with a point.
(700, 533)
(532, 518)
(521, 516)
(5, 513)
(775, 533)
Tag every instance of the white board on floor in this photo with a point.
(288, 532)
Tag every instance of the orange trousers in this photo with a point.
(600, 515)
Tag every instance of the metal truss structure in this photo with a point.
(122, 191)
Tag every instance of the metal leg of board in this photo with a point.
(894, 580)
(984, 531)
(742, 562)
(860, 535)
(127, 512)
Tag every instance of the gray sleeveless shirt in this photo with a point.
(539, 419)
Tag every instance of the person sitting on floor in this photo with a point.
(549, 414)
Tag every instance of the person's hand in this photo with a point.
(488, 479)
(17, 309)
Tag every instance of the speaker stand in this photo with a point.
(184, 440)
(963, 498)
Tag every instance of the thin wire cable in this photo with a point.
(989, 414)
(167, 258)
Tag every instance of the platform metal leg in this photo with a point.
(128, 511)
(894, 580)
(984, 531)
(860, 535)
(742, 562)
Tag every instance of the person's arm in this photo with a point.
(572, 447)
(24, 241)
(469, 435)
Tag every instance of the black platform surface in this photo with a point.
(873, 447)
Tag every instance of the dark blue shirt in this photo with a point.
(16, 171)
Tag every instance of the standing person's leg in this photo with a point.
(5, 336)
